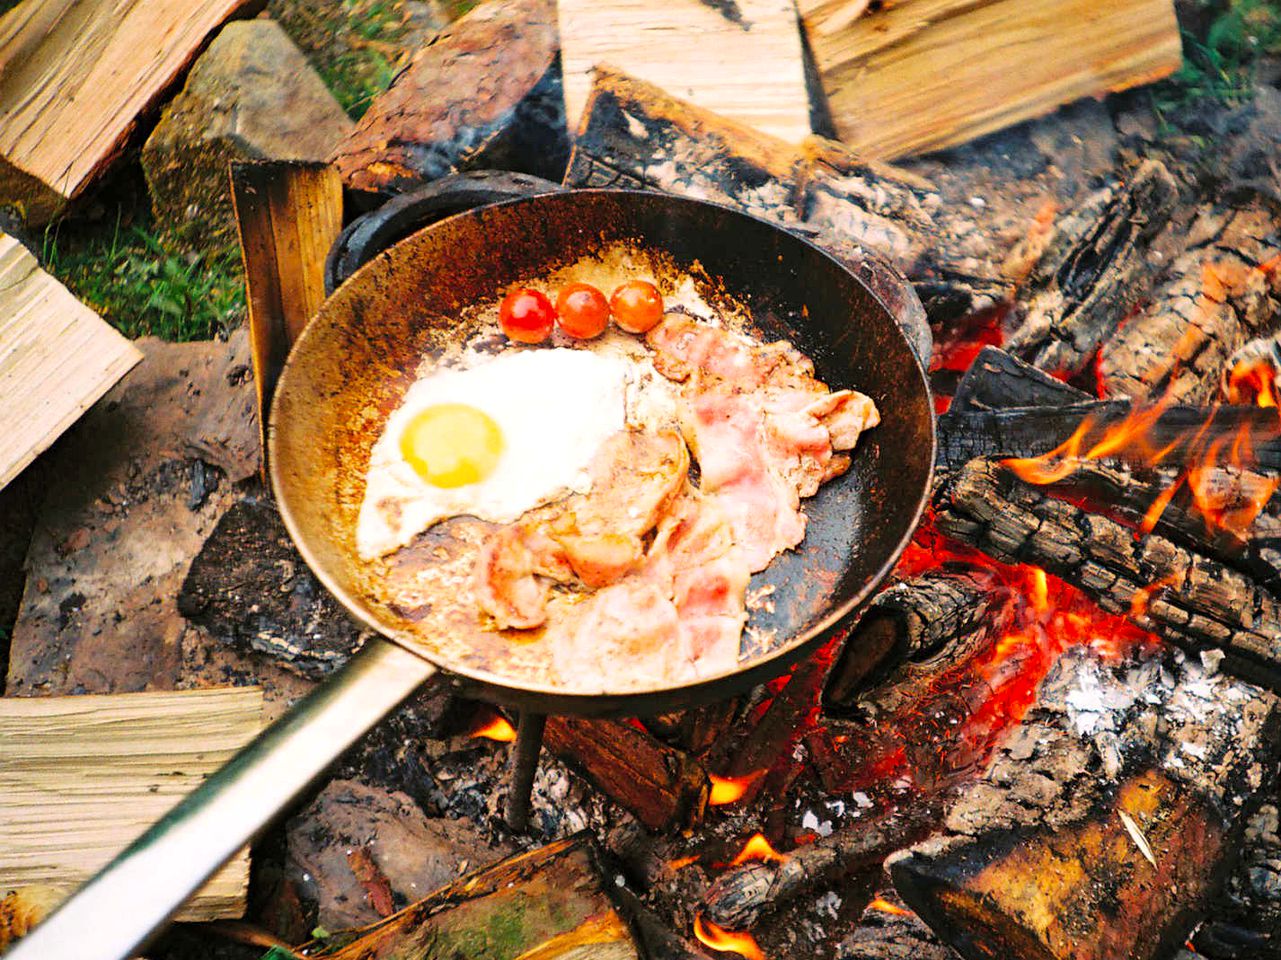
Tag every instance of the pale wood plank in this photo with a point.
(56, 358)
(749, 69)
(74, 77)
(81, 777)
(920, 75)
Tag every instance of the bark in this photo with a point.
(1191, 599)
(1106, 820)
(1102, 277)
(887, 930)
(997, 380)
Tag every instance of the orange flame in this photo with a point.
(1143, 596)
(710, 935)
(1253, 381)
(1040, 591)
(729, 789)
(886, 907)
(757, 848)
(496, 729)
(680, 863)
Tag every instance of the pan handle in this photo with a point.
(117, 911)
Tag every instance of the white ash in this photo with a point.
(829, 904)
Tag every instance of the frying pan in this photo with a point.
(343, 377)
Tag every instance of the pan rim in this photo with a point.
(772, 663)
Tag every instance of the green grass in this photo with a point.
(124, 274)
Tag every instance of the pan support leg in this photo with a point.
(524, 764)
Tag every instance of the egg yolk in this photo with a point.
(452, 445)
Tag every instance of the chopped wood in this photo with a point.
(549, 904)
(56, 357)
(635, 135)
(1245, 920)
(1103, 277)
(1219, 293)
(1187, 597)
(664, 787)
(887, 930)
(484, 92)
(712, 54)
(81, 777)
(918, 75)
(1106, 820)
(78, 75)
(996, 380)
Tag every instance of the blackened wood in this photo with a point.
(997, 379)
(887, 930)
(1245, 921)
(1106, 820)
(1101, 279)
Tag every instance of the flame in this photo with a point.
(1253, 381)
(1143, 596)
(1040, 591)
(729, 789)
(885, 906)
(757, 848)
(710, 935)
(496, 729)
(680, 863)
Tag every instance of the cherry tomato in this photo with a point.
(527, 316)
(637, 306)
(582, 310)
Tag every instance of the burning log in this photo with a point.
(1106, 820)
(1246, 918)
(1101, 277)
(664, 787)
(997, 380)
(1221, 291)
(889, 931)
(1190, 598)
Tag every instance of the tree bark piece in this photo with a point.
(486, 91)
(664, 787)
(997, 380)
(918, 75)
(81, 777)
(1221, 291)
(1104, 276)
(78, 75)
(1106, 820)
(1187, 597)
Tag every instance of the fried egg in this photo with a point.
(491, 440)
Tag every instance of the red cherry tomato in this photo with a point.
(582, 310)
(637, 306)
(527, 316)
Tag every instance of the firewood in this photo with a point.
(635, 135)
(664, 787)
(887, 930)
(1221, 291)
(909, 622)
(1187, 597)
(1104, 276)
(65, 61)
(1106, 820)
(81, 777)
(918, 75)
(1245, 921)
(552, 903)
(996, 380)
(58, 358)
(485, 92)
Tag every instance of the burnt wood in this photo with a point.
(997, 379)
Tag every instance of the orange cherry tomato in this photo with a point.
(527, 316)
(637, 306)
(582, 311)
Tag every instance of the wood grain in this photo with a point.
(919, 75)
(742, 60)
(81, 777)
(75, 75)
(56, 358)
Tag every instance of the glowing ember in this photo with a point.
(496, 729)
(680, 863)
(757, 848)
(710, 935)
(729, 789)
(886, 907)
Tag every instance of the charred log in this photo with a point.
(887, 930)
(1245, 921)
(997, 380)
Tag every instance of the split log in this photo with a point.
(635, 135)
(919, 75)
(997, 380)
(58, 357)
(1106, 821)
(67, 60)
(664, 787)
(82, 777)
(909, 622)
(553, 903)
(1245, 921)
(887, 930)
(1221, 292)
(1189, 598)
(1104, 276)
(485, 92)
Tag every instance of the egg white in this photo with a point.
(555, 407)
